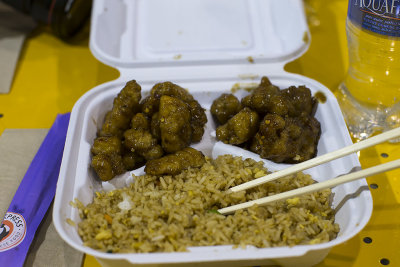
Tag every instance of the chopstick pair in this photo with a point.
(312, 163)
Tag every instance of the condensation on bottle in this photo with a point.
(369, 96)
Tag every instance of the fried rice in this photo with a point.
(174, 213)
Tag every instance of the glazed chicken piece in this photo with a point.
(260, 99)
(107, 160)
(140, 122)
(151, 105)
(240, 128)
(225, 107)
(301, 100)
(175, 129)
(142, 143)
(175, 163)
(197, 121)
(107, 166)
(106, 145)
(287, 139)
(293, 101)
(124, 106)
(139, 140)
(132, 160)
(171, 89)
(130, 157)
(155, 126)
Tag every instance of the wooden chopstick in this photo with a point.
(320, 160)
(315, 187)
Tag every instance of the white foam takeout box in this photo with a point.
(203, 45)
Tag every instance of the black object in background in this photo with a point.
(65, 17)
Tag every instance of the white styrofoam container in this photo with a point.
(203, 45)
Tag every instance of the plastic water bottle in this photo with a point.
(369, 96)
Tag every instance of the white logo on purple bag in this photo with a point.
(12, 231)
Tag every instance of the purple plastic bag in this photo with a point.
(33, 197)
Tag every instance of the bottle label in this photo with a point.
(379, 16)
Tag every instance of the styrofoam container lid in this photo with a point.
(157, 33)
(203, 46)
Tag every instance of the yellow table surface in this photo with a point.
(51, 75)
